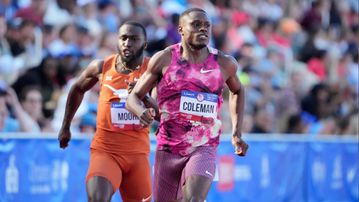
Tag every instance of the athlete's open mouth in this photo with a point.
(126, 52)
(203, 36)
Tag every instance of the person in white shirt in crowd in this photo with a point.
(13, 118)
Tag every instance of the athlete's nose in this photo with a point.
(203, 28)
(127, 43)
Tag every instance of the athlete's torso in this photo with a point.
(117, 130)
(189, 97)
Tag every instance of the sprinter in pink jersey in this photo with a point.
(190, 78)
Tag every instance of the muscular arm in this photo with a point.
(236, 107)
(236, 94)
(150, 102)
(147, 81)
(87, 79)
(236, 102)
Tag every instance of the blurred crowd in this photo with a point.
(298, 58)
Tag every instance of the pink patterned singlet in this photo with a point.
(189, 97)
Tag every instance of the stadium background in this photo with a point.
(298, 61)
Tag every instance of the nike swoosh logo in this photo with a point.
(203, 71)
(145, 199)
(208, 173)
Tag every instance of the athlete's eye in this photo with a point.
(196, 25)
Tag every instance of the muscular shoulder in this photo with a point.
(159, 61)
(94, 69)
(227, 63)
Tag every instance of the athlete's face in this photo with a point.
(131, 42)
(195, 29)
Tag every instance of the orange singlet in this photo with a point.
(120, 147)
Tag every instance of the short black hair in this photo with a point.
(137, 24)
(190, 10)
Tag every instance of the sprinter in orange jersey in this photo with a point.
(121, 145)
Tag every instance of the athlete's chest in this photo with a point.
(206, 76)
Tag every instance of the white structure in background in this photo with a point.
(64, 175)
(56, 176)
(318, 171)
(337, 176)
(242, 173)
(12, 176)
(265, 178)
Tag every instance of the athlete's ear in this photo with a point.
(180, 30)
(145, 45)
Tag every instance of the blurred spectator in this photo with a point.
(286, 50)
(8, 9)
(7, 124)
(263, 122)
(26, 37)
(12, 116)
(86, 42)
(34, 12)
(264, 32)
(88, 124)
(7, 62)
(346, 126)
(170, 7)
(271, 67)
(89, 105)
(31, 102)
(245, 57)
(18, 52)
(47, 77)
(172, 33)
(56, 8)
(252, 7)
(317, 102)
(317, 65)
(106, 45)
(65, 49)
(296, 125)
(88, 17)
(287, 101)
(309, 48)
(247, 125)
(108, 15)
(66, 43)
(312, 18)
(271, 10)
(26, 43)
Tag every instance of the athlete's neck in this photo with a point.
(192, 55)
(130, 65)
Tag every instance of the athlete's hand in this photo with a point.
(64, 137)
(240, 146)
(147, 116)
